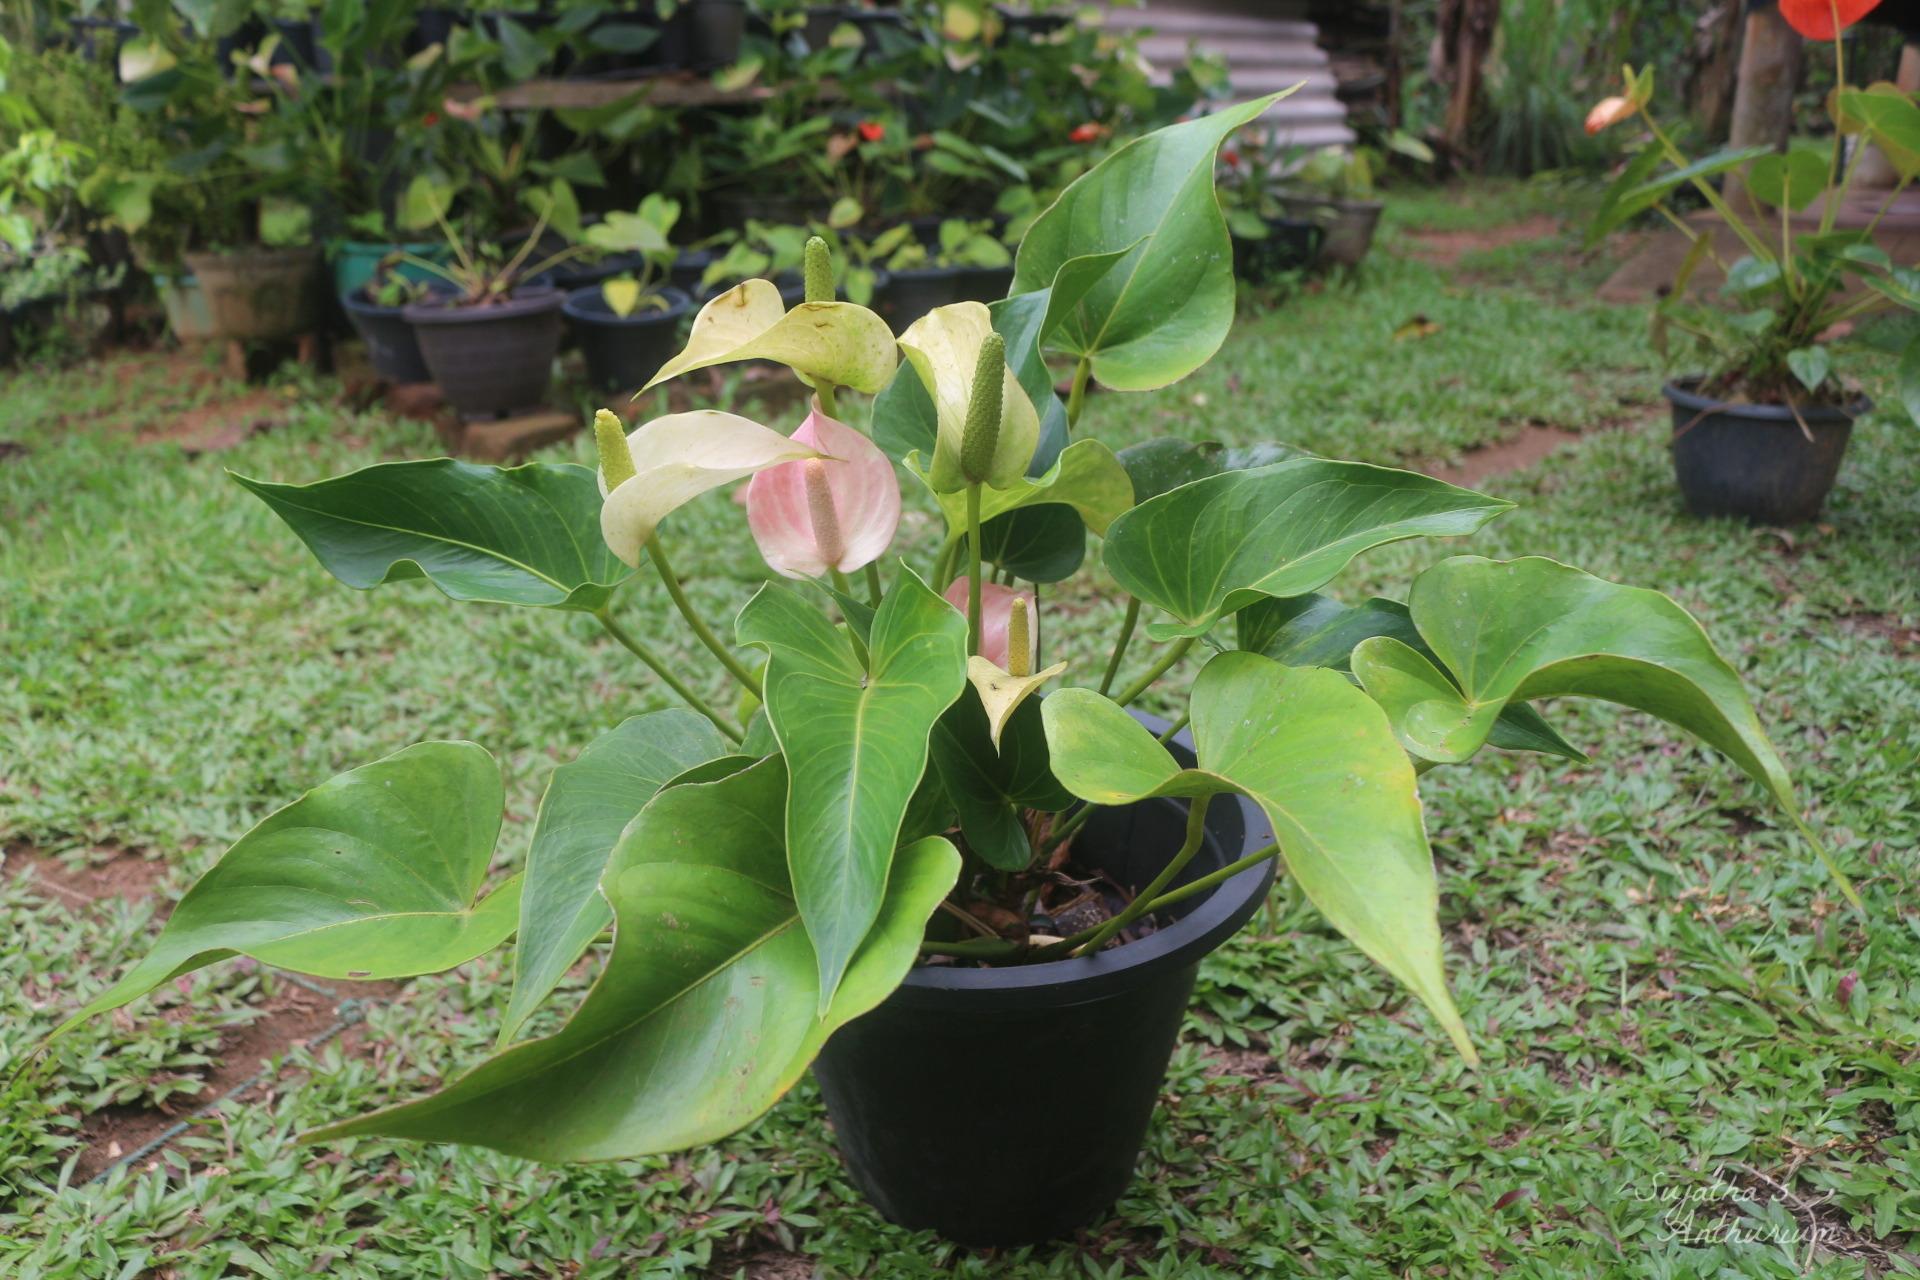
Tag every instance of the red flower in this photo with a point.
(1232, 157)
(1814, 19)
(1088, 132)
(872, 130)
(431, 119)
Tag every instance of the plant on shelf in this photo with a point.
(643, 239)
(627, 325)
(778, 251)
(1763, 416)
(967, 901)
(1334, 187)
(961, 244)
(489, 340)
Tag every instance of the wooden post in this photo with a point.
(1770, 63)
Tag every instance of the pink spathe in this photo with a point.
(843, 519)
(996, 611)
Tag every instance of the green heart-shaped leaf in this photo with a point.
(1086, 477)
(1164, 308)
(1208, 548)
(375, 873)
(1319, 758)
(1045, 543)
(1156, 466)
(1319, 631)
(588, 803)
(988, 786)
(1794, 179)
(856, 741)
(1889, 116)
(706, 1011)
(1516, 630)
(522, 535)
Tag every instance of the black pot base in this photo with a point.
(1057, 1065)
(1755, 460)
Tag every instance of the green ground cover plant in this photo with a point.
(1668, 991)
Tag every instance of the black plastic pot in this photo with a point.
(300, 45)
(735, 208)
(1753, 460)
(793, 290)
(874, 26)
(578, 273)
(1003, 1107)
(985, 284)
(490, 361)
(1291, 244)
(624, 351)
(392, 348)
(714, 29)
(688, 268)
(433, 24)
(1032, 25)
(911, 294)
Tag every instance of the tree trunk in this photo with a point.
(1714, 66)
(1770, 64)
(1463, 35)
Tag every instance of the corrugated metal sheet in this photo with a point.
(1268, 45)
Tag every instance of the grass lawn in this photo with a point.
(1672, 999)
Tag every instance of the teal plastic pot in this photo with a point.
(355, 261)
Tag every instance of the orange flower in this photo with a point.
(1815, 19)
(1608, 112)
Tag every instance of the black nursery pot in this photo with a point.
(490, 361)
(714, 29)
(624, 351)
(392, 348)
(985, 284)
(1753, 460)
(1291, 244)
(1002, 1107)
(913, 293)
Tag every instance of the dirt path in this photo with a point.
(1445, 248)
(251, 1056)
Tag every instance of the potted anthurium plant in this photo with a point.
(971, 909)
(1761, 427)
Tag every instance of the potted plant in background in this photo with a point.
(378, 313)
(968, 263)
(376, 128)
(628, 324)
(240, 204)
(1334, 187)
(490, 340)
(1267, 241)
(973, 906)
(776, 251)
(1761, 431)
